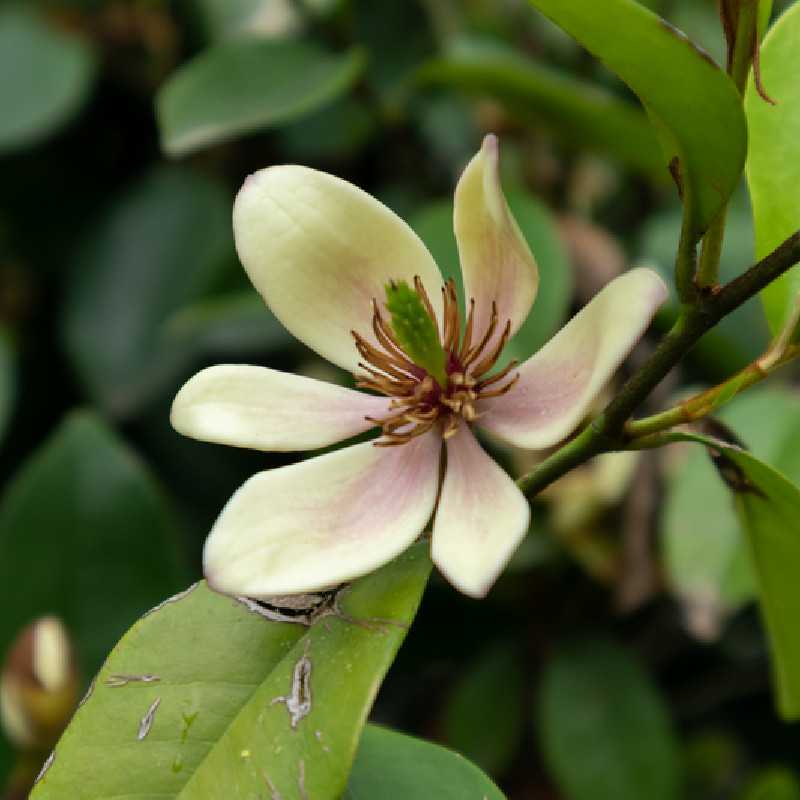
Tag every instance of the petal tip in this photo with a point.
(491, 145)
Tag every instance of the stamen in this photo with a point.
(490, 358)
(501, 391)
(476, 351)
(465, 344)
(420, 400)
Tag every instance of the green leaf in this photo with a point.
(711, 574)
(773, 159)
(769, 508)
(483, 718)
(160, 247)
(249, 707)
(581, 115)
(703, 128)
(45, 77)
(393, 766)
(86, 531)
(604, 728)
(7, 381)
(248, 85)
(434, 225)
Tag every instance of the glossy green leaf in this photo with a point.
(393, 766)
(711, 574)
(604, 729)
(160, 247)
(45, 77)
(483, 718)
(580, 114)
(7, 381)
(248, 85)
(769, 507)
(704, 128)
(247, 706)
(434, 225)
(84, 534)
(773, 159)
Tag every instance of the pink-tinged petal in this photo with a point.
(481, 520)
(496, 262)
(558, 384)
(323, 521)
(319, 249)
(264, 409)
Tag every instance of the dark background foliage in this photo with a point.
(620, 656)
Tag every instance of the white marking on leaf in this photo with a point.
(147, 719)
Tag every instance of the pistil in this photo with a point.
(432, 376)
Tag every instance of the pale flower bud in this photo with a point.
(39, 685)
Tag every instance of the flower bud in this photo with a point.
(38, 686)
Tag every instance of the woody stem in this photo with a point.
(606, 433)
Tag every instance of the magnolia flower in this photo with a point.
(325, 256)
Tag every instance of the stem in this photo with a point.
(686, 264)
(702, 404)
(711, 252)
(741, 59)
(606, 432)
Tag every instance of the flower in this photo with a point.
(323, 253)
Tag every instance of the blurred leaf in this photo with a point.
(84, 534)
(339, 130)
(483, 718)
(448, 126)
(434, 225)
(711, 573)
(248, 85)
(45, 77)
(713, 760)
(397, 37)
(160, 247)
(582, 115)
(773, 161)
(604, 728)
(249, 707)
(7, 381)
(740, 337)
(773, 783)
(393, 766)
(704, 128)
(235, 322)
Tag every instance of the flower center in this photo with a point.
(431, 376)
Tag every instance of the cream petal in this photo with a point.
(264, 409)
(496, 262)
(319, 249)
(325, 520)
(558, 384)
(481, 520)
